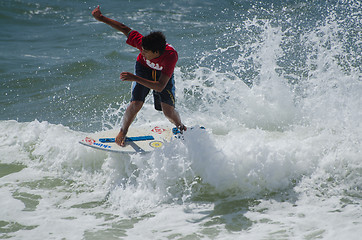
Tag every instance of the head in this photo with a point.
(153, 45)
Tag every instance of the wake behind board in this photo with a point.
(139, 139)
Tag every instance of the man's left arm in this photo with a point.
(155, 85)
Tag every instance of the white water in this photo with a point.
(277, 161)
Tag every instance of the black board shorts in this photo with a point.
(139, 92)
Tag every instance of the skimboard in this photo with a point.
(139, 139)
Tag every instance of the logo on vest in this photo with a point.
(153, 65)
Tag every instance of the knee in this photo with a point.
(170, 112)
(167, 109)
(136, 105)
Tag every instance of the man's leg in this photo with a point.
(172, 115)
(128, 117)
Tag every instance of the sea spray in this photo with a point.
(276, 85)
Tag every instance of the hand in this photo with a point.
(97, 13)
(127, 76)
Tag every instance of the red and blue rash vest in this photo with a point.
(165, 63)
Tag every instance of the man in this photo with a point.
(154, 70)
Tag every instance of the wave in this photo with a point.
(271, 127)
(246, 163)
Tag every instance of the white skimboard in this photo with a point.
(139, 139)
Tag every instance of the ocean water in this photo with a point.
(277, 84)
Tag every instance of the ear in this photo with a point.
(156, 53)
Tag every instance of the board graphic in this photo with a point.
(139, 139)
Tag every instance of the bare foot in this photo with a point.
(182, 128)
(121, 137)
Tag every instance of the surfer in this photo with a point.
(154, 70)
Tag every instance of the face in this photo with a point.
(149, 55)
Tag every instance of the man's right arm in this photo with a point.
(117, 25)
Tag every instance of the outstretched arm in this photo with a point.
(117, 25)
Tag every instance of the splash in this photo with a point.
(269, 136)
(268, 132)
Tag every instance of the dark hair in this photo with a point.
(155, 41)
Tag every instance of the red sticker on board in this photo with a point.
(89, 141)
(158, 130)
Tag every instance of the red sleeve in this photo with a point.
(135, 39)
(171, 61)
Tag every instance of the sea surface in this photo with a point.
(276, 84)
